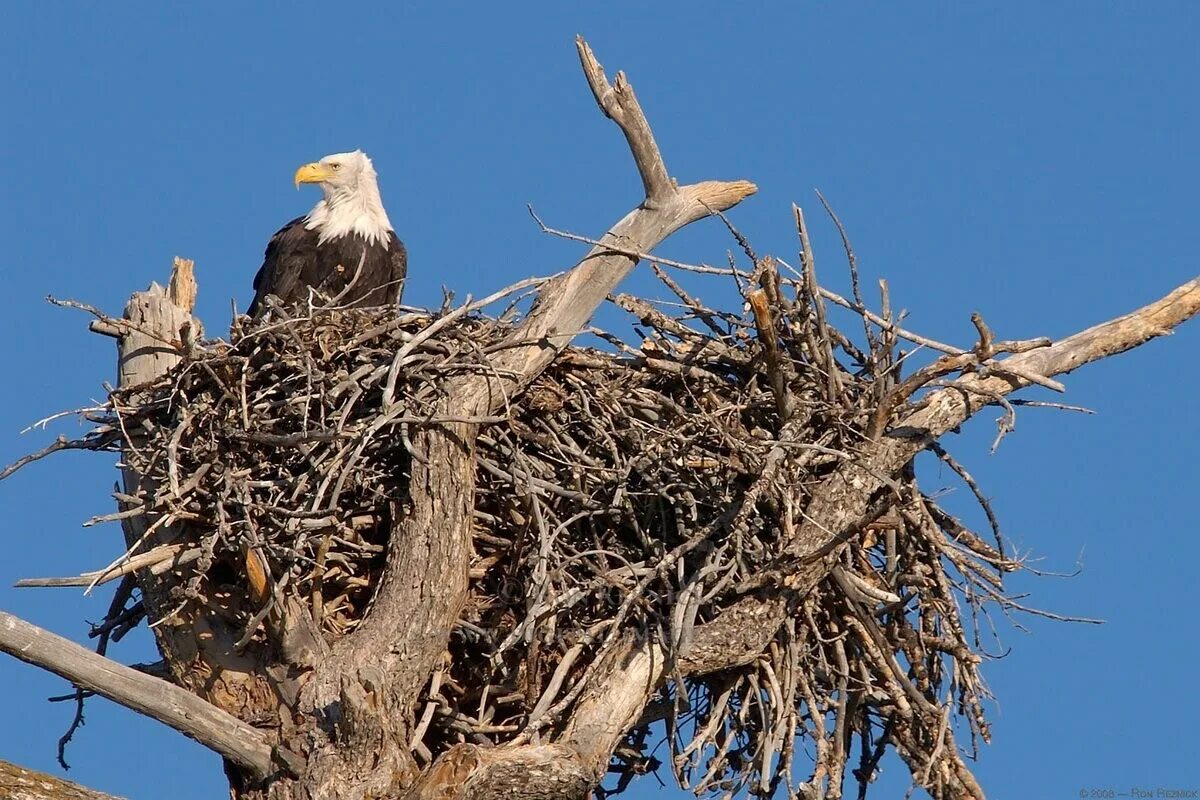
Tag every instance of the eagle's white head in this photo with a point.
(351, 203)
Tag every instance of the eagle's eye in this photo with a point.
(336, 166)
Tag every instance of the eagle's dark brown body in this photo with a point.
(295, 261)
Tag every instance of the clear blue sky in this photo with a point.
(1037, 163)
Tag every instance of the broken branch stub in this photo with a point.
(567, 303)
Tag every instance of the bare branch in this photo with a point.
(61, 443)
(949, 407)
(402, 637)
(568, 302)
(167, 556)
(619, 104)
(178, 708)
(885, 325)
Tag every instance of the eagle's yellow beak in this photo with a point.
(315, 172)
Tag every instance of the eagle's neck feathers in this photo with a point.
(351, 210)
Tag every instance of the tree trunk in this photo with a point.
(351, 710)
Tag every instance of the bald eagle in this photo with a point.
(344, 248)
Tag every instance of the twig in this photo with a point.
(59, 444)
(702, 269)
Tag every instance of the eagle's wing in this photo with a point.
(399, 263)
(284, 262)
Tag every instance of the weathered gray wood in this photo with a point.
(197, 646)
(567, 303)
(746, 629)
(178, 708)
(19, 783)
(564, 306)
(393, 652)
(148, 348)
(838, 507)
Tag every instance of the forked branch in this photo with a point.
(403, 636)
(568, 302)
(563, 309)
(619, 103)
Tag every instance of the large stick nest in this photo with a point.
(641, 487)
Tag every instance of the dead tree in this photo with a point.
(445, 555)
